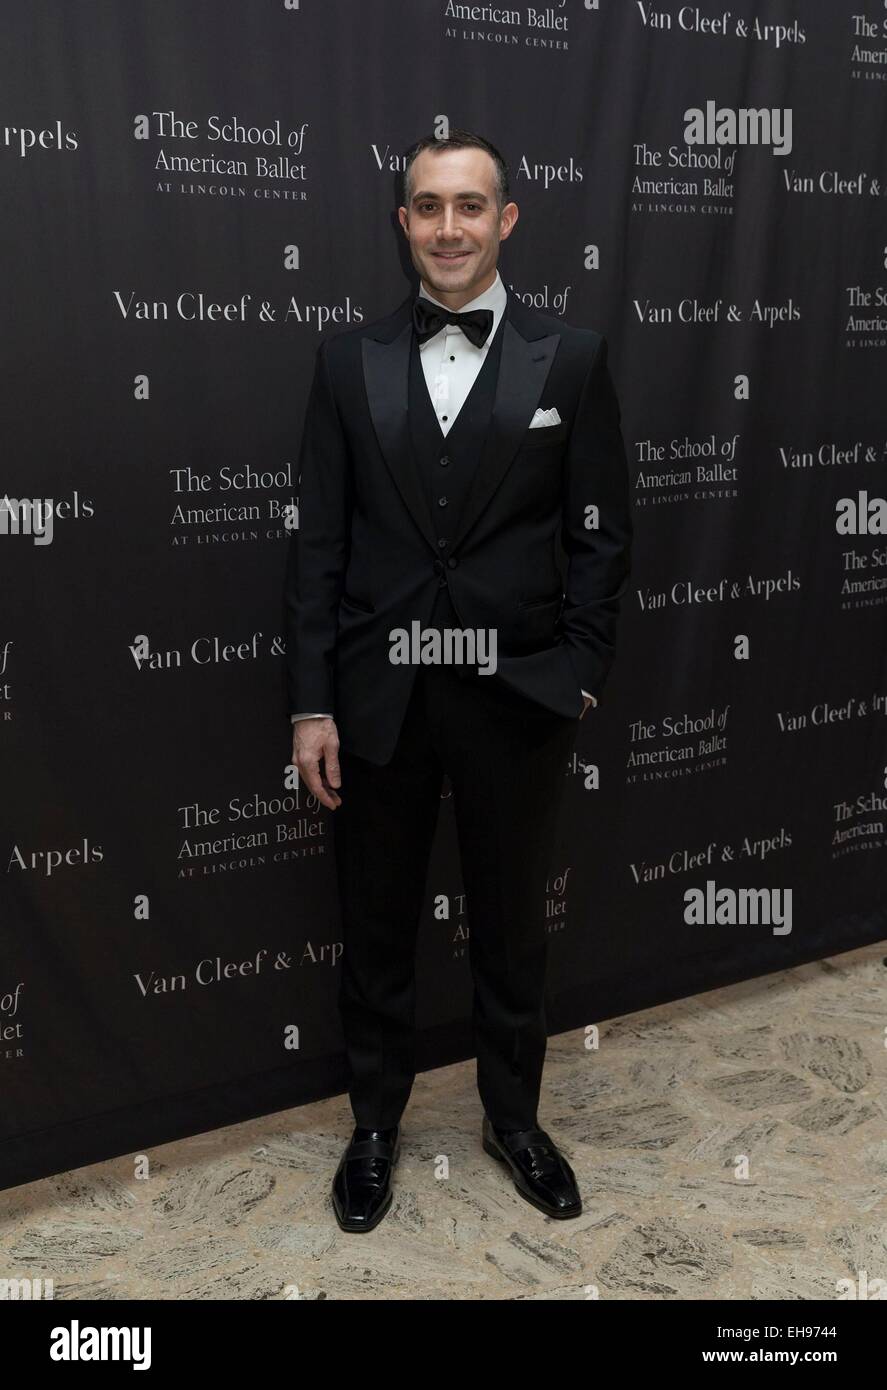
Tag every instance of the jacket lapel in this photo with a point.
(527, 354)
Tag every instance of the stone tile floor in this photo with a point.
(728, 1146)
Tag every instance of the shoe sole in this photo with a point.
(540, 1206)
(382, 1212)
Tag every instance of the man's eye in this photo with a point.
(474, 207)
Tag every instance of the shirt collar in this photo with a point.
(494, 297)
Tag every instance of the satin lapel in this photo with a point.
(523, 371)
(386, 370)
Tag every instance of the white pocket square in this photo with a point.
(545, 417)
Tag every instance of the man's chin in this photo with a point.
(456, 277)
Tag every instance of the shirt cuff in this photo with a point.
(295, 717)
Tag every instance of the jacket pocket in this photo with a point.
(548, 602)
(360, 604)
(543, 435)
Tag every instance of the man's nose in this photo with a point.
(448, 226)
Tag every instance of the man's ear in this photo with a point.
(510, 214)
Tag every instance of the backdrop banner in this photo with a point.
(195, 195)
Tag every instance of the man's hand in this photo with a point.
(314, 739)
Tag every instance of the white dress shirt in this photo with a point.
(451, 363)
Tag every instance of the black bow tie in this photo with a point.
(429, 319)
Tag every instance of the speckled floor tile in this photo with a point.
(728, 1146)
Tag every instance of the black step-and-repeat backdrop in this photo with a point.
(194, 195)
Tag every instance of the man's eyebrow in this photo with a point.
(478, 197)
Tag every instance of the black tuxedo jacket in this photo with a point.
(530, 558)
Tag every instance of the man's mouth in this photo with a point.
(450, 255)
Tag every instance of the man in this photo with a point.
(446, 450)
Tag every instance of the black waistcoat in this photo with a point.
(447, 463)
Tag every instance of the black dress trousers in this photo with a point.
(506, 757)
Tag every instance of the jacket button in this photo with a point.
(441, 501)
(444, 460)
(452, 562)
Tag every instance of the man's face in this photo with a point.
(452, 223)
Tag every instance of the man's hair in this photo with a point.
(458, 140)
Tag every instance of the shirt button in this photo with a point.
(442, 542)
(444, 460)
(452, 562)
(441, 501)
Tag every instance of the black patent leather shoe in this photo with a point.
(361, 1192)
(541, 1173)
